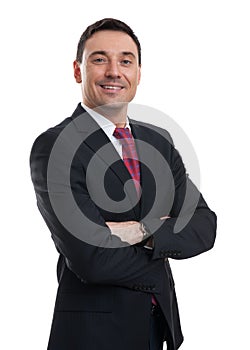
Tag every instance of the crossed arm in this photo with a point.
(133, 264)
(130, 231)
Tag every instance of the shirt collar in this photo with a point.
(105, 124)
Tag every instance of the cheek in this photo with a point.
(94, 72)
(89, 82)
(135, 82)
(134, 78)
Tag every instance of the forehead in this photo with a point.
(110, 41)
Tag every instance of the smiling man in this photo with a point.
(116, 289)
(109, 69)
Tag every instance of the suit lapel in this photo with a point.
(146, 176)
(95, 138)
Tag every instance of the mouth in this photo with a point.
(112, 88)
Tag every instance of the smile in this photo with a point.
(110, 87)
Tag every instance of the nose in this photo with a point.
(113, 70)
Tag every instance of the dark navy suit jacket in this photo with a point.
(105, 286)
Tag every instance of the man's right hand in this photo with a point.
(128, 231)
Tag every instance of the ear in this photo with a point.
(77, 72)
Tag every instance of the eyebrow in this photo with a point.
(128, 53)
(105, 53)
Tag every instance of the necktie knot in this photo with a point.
(122, 133)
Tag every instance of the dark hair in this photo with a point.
(106, 24)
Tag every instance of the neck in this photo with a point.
(120, 125)
(115, 112)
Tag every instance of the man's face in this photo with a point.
(109, 72)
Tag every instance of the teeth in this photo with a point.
(111, 87)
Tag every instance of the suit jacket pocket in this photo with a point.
(87, 301)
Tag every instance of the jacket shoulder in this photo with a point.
(152, 131)
(47, 138)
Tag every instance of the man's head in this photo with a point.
(108, 63)
(106, 24)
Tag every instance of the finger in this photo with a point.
(165, 217)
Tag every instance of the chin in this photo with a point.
(114, 105)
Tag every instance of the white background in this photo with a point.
(195, 68)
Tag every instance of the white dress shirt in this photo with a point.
(108, 127)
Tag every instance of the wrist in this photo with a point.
(146, 233)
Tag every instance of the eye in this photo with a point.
(99, 60)
(126, 62)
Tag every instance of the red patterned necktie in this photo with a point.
(130, 159)
(129, 154)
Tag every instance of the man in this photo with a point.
(115, 232)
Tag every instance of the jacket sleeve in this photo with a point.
(127, 266)
(191, 228)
